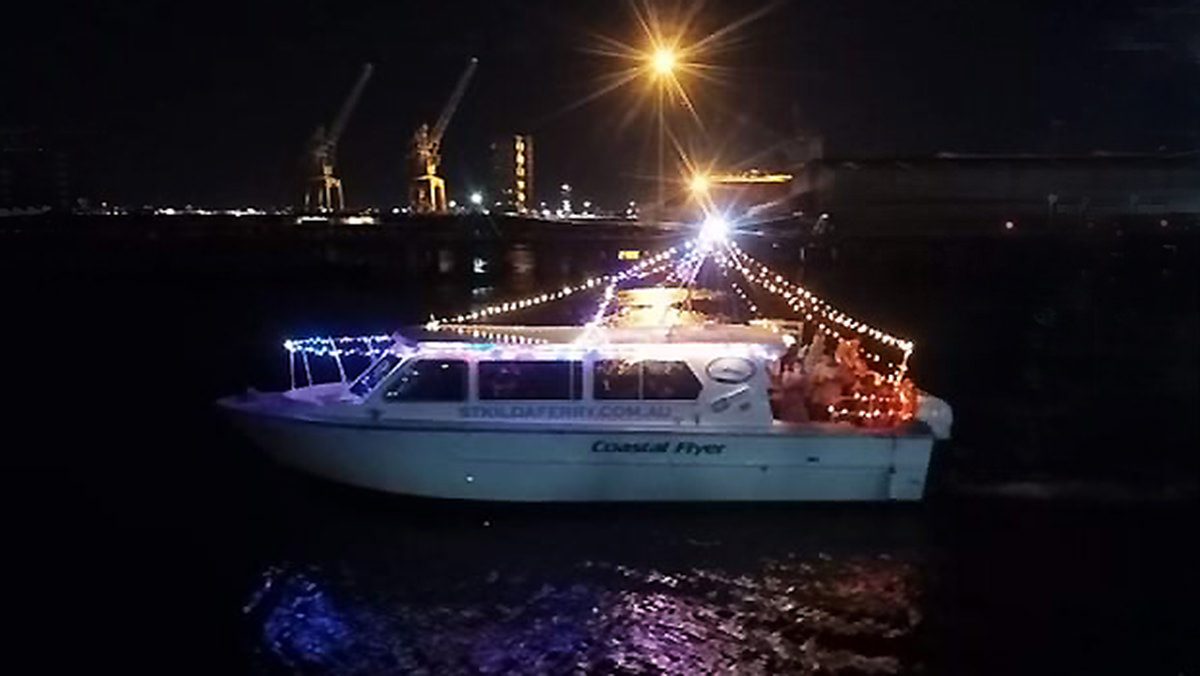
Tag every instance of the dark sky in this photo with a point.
(212, 103)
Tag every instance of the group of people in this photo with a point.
(804, 383)
(808, 382)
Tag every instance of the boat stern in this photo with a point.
(935, 413)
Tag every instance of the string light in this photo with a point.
(891, 400)
(893, 405)
(874, 400)
(325, 346)
(497, 309)
(687, 268)
(804, 302)
(358, 346)
(610, 292)
(496, 335)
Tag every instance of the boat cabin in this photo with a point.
(699, 376)
(755, 375)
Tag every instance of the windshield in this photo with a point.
(374, 375)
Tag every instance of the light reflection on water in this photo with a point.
(816, 615)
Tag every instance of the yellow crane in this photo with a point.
(323, 190)
(427, 194)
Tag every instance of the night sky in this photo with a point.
(212, 103)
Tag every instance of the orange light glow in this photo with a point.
(664, 61)
(750, 177)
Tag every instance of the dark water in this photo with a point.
(142, 534)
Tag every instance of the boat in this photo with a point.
(655, 400)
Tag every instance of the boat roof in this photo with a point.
(759, 334)
(661, 295)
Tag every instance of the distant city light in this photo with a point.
(1008, 225)
(453, 204)
(476, 198)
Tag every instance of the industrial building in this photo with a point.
(751, 195)
(512, 173)
(964, 188)
(951, 189)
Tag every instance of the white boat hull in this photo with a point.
(529, 463)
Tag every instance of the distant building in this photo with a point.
(998, 188)
(34, 171)
(512, 173)
(746, 195)
(753, 195)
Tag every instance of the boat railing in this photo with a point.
(356, 352)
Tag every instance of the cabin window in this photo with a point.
(376, 373)
(430, 380)
(669, 380)
(617, 379)
(530, 380)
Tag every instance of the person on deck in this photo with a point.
(789, 387)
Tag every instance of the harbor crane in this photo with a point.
(427, 194)
(323, 192)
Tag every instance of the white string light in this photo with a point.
(358, 346)
(496, 309)
(813, 308)
(495, 336)
(892, 403)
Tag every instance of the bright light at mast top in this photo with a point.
(674, 52)
(714, 229)
(663, 61)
